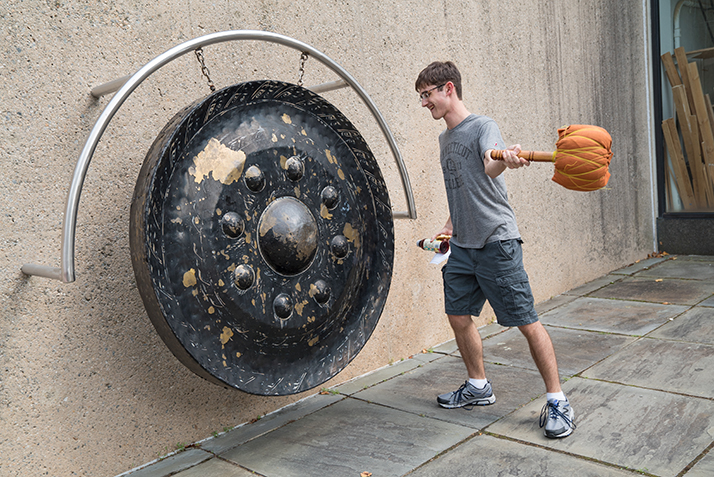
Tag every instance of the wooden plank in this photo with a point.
(679, 166)
(671, 70)
(698, 167)
(696, 138)
(681, 174)
(682, 63)
(690, 138)
(703, 54)
(700, 108)
(687, 126)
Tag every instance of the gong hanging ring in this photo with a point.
(262, 238)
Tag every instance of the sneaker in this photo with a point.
(557, 417)
(467, 395)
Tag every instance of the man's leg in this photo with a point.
(468, 340)
(557, 415)
(543, 354)
(462, 298)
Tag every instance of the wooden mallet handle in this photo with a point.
(533, 156)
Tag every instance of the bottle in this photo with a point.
(441, 246)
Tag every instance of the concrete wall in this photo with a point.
(87, 387)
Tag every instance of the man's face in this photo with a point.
(433, 98)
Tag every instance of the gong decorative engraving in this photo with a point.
(262, 238)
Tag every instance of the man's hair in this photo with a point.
(439, 73)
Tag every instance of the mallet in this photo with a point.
(582, 157)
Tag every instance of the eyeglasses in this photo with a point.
(425, 94)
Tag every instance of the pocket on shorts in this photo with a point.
(516, 292)
(509, 248)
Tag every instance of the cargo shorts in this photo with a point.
(494, 273)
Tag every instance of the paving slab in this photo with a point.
(576, 350)
(639, 266)
(670, 366)
(349, 438)
(688, 269)
(416, 391)
(370, 379)
(704, 467)
(268, 423)
(491, 329)
(612, 316)
(594, 285)
(640, 429)
(215, 468)
(172, 464)
(450, 347)
(553, 303)
(708, 302)
(658, 290)
(426, 357)
(694, 258)
(696, 325)
(446, 347)
(490, 456)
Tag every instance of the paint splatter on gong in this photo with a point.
(262, 238)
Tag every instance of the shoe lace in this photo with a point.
(551, 410)
(459, 394)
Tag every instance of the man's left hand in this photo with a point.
(511, 159)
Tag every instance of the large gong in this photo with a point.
(262, 238)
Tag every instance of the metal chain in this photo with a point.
(204, 68)
(303, 59)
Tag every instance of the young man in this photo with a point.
(486, 261)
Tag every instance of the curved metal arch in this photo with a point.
(66, 271)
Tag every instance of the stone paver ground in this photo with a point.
(635, 351)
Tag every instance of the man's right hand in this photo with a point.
(448, 229)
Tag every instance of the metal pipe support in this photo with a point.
(66, 271)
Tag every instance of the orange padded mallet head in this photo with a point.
(582, 157)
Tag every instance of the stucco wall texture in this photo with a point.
(87, 386)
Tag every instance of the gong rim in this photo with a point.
(289, 281)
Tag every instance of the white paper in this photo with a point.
(440, 257)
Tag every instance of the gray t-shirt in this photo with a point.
(479, 207)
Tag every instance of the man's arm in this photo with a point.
(495, 167)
